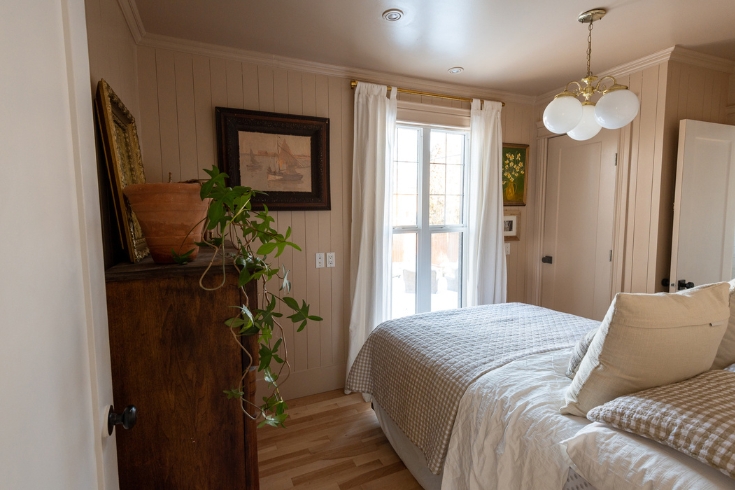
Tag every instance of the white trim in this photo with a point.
(223, 52)
(674, 53)
(132, 17)
(433, 115)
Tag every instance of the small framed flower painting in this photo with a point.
(515, 159)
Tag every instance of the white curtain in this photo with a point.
(486, 278)
(370, 259)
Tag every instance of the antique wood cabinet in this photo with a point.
(172, 357)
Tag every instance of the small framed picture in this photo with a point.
(511, 231)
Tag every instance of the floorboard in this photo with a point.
(332, 441)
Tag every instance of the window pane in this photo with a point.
(438, 147)
(404, 274)
(437, 178)
(436, 210)
(454, 210)
(405, 178)
(454, 179)
(407, 145)
(446, 270)
(404, 210)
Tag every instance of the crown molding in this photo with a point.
(674, 53)
(694, 58)
(216, 51)
(132, 17)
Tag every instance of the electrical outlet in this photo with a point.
(320, 260)
(330, 259)
(507, 249)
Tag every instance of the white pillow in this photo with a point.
(649, 340)
(726, 352)
(610, 459)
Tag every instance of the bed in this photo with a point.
(469, 403)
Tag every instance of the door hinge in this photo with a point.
(616, 159)
(610, 255)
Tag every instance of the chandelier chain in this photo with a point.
(589, 49)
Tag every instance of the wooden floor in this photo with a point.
(332, 441)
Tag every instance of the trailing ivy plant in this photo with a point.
(231, 219)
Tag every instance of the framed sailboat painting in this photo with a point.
(284, 156)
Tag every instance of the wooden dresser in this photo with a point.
(172, 357)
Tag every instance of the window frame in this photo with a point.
(423, 238)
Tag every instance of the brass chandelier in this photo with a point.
(617, 107)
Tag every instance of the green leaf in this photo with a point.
(182, 259)
(291, 303)
(235, 322)
(266, 248)
(236, 393)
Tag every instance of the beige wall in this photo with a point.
(668, 92)
(52, 298)
(112, 51)
(178, 93)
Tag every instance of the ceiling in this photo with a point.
(525, 47)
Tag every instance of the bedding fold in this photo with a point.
(418, 367)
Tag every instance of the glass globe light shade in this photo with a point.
(587, 127)
(562, 114)
(617, 109)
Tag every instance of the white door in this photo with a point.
(576, 274)
(704, 205)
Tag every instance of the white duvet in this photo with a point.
(523, 397)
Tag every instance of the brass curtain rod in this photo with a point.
(353, 84)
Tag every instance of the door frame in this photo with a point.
(620, 221)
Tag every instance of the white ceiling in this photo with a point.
(521, 46)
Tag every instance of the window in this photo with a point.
(429, 213)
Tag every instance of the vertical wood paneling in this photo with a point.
(234, 85)
(251, 95)
(186, 116)
(218, 82)
(265, 88)
(150, 138)
(658, 217)
(280, 91)
(168, 115)
(203, 103)
(343, 301)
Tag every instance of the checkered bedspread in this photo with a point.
(418, 367)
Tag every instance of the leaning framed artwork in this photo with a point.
(119, 137)
(515, 160)
(284, 156)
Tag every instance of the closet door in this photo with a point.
(578, 225)
(703, 240)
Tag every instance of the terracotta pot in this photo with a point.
(167, 213)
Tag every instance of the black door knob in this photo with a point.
(127, 418)
(683, 284)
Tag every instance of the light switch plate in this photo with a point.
(507, 249)
(320, 260)
(330, 259)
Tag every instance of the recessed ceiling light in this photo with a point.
(392, 15)
(455, 70)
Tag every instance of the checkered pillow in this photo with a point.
(580, 349)
(695, 417)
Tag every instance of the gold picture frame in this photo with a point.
(515, 173)
(124, 165)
